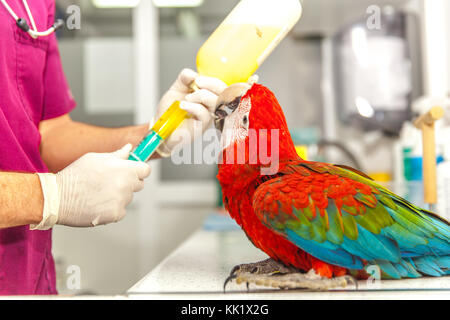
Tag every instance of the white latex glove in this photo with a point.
(94, 190)
(199, 104)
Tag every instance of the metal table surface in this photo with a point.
(197, 270)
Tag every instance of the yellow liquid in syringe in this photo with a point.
(234, 51)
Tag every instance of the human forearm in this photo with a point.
(64, 140)
(93, 190)
(21, 199)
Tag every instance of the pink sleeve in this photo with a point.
(58, 99)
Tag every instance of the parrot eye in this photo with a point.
(245, 120)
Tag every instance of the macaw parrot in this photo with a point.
(322, 225)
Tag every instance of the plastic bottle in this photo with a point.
(246, 38)
(232, 53)
(443, 174)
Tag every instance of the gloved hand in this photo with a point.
(94, 190)
(199, 104)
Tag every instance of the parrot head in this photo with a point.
(253, 126)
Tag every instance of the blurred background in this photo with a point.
(350, 78)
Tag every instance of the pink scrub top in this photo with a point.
(32, 88)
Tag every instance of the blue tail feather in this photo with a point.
(433, 266)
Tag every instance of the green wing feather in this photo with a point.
(335, 213)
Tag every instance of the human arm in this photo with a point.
(94, 190)
(21, 199)
(64, 140)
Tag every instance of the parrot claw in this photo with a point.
(231, 277)
(268, 266)
(351, 281)
(270, 273)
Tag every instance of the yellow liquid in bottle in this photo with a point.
(234, 51)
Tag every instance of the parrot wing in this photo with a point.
(343, 218)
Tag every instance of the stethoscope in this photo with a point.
(22, 23)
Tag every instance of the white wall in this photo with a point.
(109, 79)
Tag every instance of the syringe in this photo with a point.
(162, 129)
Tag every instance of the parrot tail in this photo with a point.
(437, 264)
(430, 235)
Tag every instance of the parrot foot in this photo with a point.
(270, 273)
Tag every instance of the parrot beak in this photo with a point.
(228, 101)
